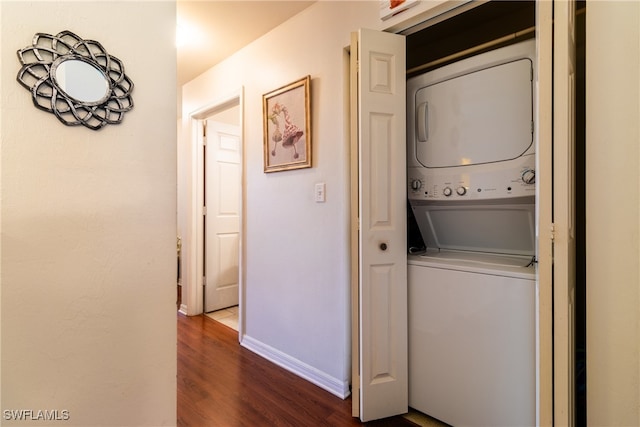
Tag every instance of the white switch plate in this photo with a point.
(319, 192)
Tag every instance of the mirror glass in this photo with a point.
(81, 81)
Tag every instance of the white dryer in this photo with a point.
(471, 187)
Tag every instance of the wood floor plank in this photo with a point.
(223, 384)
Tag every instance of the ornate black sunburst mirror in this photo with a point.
(75, 79)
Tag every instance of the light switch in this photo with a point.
(319, 192)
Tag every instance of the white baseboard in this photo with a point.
(183, 309)
(315, 376)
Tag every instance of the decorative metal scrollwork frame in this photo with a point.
(37, 74)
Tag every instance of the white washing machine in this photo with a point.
(471, 187)
(472, 342)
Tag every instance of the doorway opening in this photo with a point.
(217, 210)
(488, 26)
(508, 22)
(221, 228)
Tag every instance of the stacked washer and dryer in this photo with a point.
(472, 289)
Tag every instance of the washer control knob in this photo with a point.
(447, 191)
(461, 191)
(529, 176)
(416, 184)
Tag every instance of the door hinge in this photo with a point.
(204, 133)
(204, 281)
(204, 210)
(552, 231)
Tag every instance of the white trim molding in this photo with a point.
(323, 380)
(183, 309)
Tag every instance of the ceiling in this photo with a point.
(223, 27)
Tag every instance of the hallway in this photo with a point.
(221, 383)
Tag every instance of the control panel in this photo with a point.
(492, 181)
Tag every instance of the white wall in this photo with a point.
(613, 213)
(89, 227)
(297, 251)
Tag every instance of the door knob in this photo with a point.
(383, 246)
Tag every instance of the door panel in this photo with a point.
(564, 275)
(222, 219)
(556, 239)
(382, 239)
(544, 174)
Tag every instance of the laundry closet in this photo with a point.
(480, 325)
(471, 175)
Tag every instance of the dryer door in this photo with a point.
(479, 117)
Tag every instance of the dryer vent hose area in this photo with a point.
(417, 250)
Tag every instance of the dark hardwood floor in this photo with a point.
(221, 383)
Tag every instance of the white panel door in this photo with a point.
(223, 190)
(382, 268)
(555, 26)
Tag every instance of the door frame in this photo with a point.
(193, 260)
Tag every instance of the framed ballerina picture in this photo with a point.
(287, 127)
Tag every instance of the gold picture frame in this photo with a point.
(287, 127)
